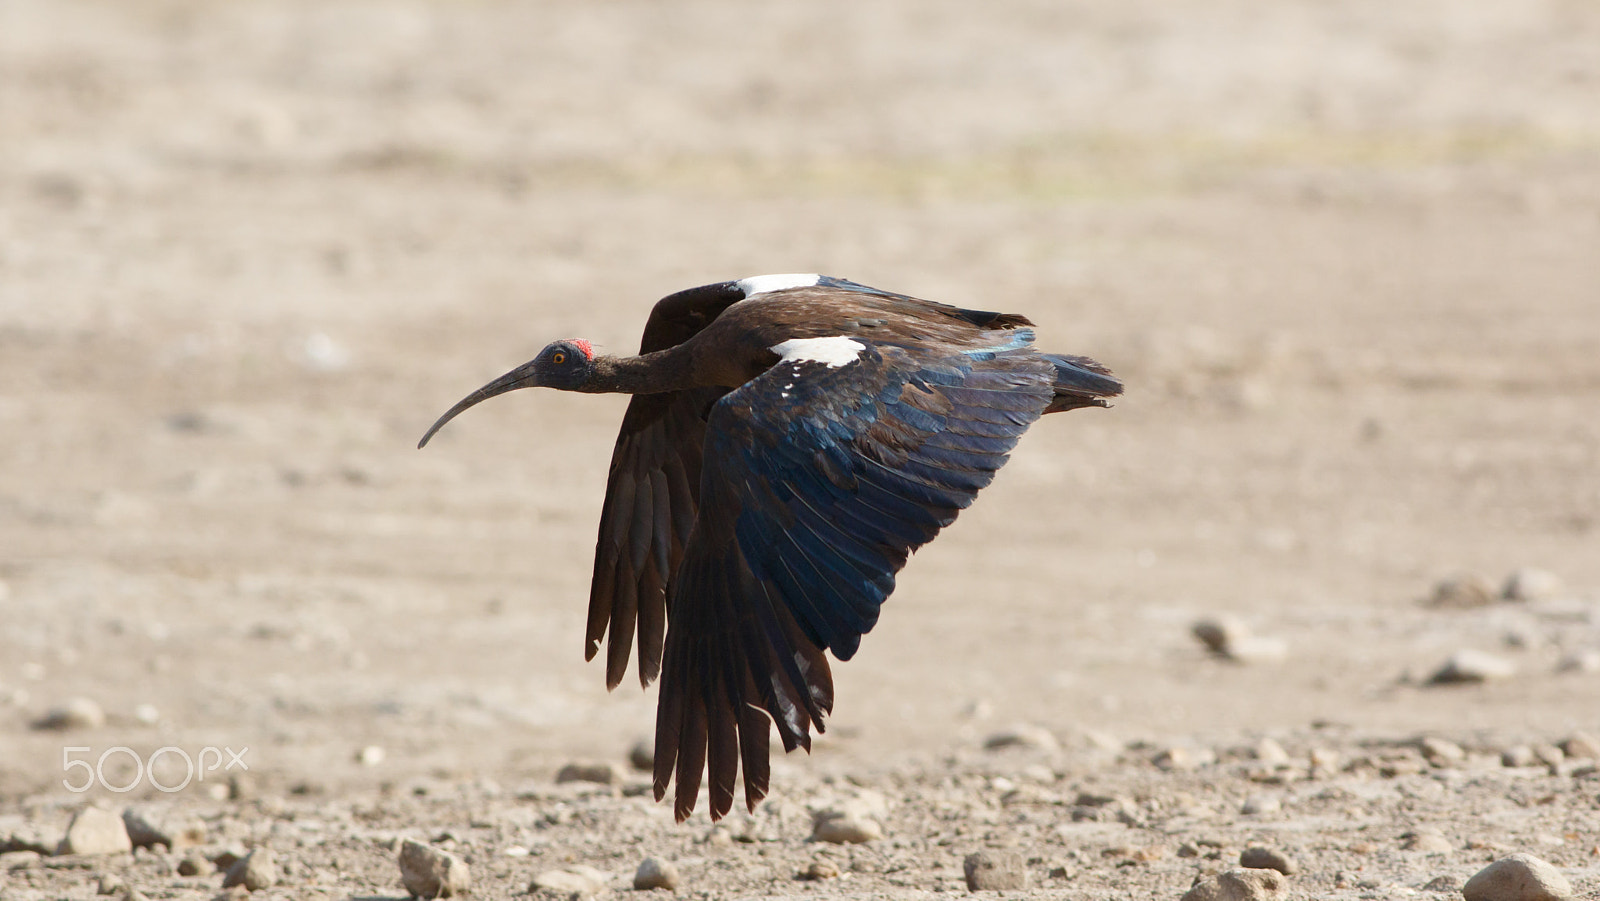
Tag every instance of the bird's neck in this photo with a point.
(652, 373)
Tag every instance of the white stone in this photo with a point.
(655, 873)
(766, 284)
(567, 882)
(1473, 666)
(1530, 584)
(96, 831)
(1520, 877)
(832, 352)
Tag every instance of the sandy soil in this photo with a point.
(1345, 254)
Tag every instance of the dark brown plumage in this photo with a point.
(791, 439)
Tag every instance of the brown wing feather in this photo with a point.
(651, 496)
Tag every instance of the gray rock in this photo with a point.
(96, 831)
(428, 872)
(600, 772)
(109, 884)
(195, 865)
(995, 871)
(77, 713)
(1472, 666)
(148, 828)
(227, 857)
(655, 873)
(1238, 885)
(255, 871)
(1259, 858)
(1520, 877)
(1532, 585)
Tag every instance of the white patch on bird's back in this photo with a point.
(831, 352)
(764, 284)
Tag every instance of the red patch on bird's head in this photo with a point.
(585, 346)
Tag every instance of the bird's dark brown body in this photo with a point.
(790, 441)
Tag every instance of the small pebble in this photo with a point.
(227, 857)
(110, 884)
(995, 871)
(1229, 637)
(642, 756)
(1023, 735)
(1181, 758)
(822, 869)
(1269, 752)
(255, 871)
(195, 865)
(95, 831)
(845, 824)
(601, 772)
(147, 829)
(147, 714)
(1520, 877)
(371, 755)
(1587, 661)
(1446, 884)
(1472, 666)
(1259, 858)
(428, 872)
(655, 873)
(1582, 745)
(1532, 585)
(1238, 885)
(77, 713)
(566, 882)
(1259, 804)
(1430, 841)
(1463, 591)
(1518, 756)
(1441, 752)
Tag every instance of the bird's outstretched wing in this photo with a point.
(651, 495)
(818, 482)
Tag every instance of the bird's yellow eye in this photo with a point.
(559, 358)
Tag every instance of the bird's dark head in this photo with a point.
(566, 365)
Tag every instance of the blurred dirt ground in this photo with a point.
(1345, 254)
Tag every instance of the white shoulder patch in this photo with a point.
(763, 284)
(832, 352)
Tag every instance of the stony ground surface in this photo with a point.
(1344, 254)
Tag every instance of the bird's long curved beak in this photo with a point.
(524, 376)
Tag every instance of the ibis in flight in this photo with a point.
(791, 439)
